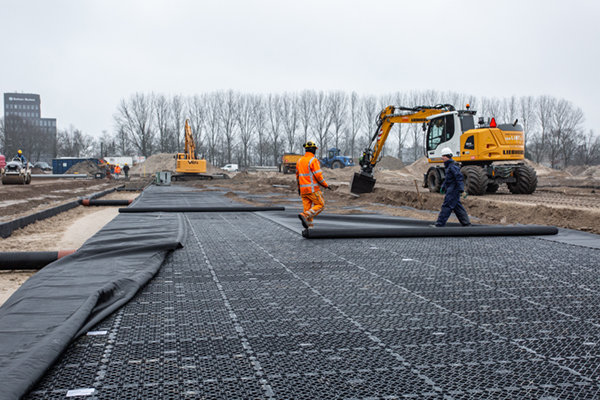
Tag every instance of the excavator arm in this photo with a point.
(190, 146)
(363, 181)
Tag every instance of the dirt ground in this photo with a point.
(563, 199)
(65, 231)
(19, 200)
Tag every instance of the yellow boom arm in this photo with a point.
(190, 146)
(396, 115)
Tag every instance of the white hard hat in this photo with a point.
(447, 152)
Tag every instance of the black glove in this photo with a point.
(462, 191)
(329, 188)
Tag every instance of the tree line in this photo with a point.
(256, 129)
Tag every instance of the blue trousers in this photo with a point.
(452, 203)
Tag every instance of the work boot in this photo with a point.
(304, 220)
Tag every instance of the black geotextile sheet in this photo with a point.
(69, 296)
(186, 199)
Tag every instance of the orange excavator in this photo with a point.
(490, 154)
(189, 166)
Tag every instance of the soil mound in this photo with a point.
(37, 171)
(418, 168)
(391, 163)
(585, 171)
(84, 167)
(545, 171)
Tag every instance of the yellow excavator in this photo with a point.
(189, 167)
(476, 147)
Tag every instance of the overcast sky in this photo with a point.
(82, 57)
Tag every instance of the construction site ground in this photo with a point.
(561, 200)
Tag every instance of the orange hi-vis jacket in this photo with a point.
(308, 174)
(117, 169)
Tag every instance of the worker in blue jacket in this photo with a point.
(454, 188)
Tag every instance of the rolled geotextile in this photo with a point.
(88, 202)
(382, 232)
(198, 209)
(30, 259)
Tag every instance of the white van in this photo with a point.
(231, 168)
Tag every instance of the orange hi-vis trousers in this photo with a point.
(313, 204)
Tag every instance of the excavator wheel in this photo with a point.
(475, 180)
(492, 188)
(434, 182)
(526, 180)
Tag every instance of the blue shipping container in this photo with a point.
(62, 165)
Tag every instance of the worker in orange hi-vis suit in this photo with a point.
(310, 179)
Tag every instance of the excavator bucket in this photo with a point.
(361, 183)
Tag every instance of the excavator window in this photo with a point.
(440, 131)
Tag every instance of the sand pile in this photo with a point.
(84, 167)
(417, 169)
(156, 163)
(585, 171)
(545, 171)
(391, 163)
(166, 162)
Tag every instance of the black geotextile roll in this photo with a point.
(116, 202)
(198, 209)
(27, 260)
(383, 232)
(68, 297)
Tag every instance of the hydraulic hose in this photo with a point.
(30, 259)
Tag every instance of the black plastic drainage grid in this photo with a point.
(249, 309)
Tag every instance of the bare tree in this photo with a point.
(567, 121)
(307, 100)
(162, 113)
(526, 117)
(322, 119)
(274, 123)
(135, 117)
(588, 152)
(544, 109)
(178, 120)
(339, 115)
(290, 119)
(213, 125)
(228, 120)
(260, 113)
(246, 120)
(354, 122)
(369, 115)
